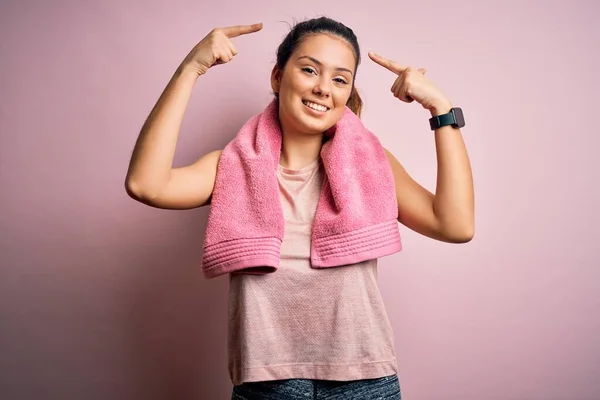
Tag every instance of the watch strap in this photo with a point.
(442, 120)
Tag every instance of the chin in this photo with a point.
(311, 125)
(313, 128)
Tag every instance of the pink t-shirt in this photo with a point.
(303, 322)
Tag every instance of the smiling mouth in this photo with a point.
(315, 106)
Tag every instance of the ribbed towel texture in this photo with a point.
(356, 218)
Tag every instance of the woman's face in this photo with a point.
(315, 84)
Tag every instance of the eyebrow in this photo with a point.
(320, 63)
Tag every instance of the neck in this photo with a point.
(298, 150)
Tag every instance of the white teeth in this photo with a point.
(314, 106)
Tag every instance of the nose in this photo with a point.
(322, 88)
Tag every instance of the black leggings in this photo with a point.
(386, 388)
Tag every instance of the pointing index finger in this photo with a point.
(237, 30)
(389, 64)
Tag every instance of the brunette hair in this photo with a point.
(316, 26)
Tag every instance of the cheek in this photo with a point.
(342, 96)
(296, 84)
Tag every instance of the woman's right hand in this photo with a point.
(216, 47)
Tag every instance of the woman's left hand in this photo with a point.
(412, 84)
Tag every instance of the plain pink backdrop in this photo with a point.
(102, 297)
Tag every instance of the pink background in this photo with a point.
(102, 297)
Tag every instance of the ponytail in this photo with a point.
(355, 103)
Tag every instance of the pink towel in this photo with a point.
(356, 217)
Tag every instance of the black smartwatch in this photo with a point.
(455, 118)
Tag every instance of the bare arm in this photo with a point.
(151, 178)
(454, 201)
(447, 215)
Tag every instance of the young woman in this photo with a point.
(303, 332)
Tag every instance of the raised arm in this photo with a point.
(151, 178)
(447, 215)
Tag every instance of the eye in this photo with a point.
(309, 70)
(340, 80)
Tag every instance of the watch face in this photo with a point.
(459, 117)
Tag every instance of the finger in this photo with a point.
(404, 97)
(389, 64)
(225, 55)
(396, 85)
(401, 94)
(233, 31)
(232, 49)
(229, 54)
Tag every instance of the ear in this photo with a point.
(275, 79)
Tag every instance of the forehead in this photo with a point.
(331, 50)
